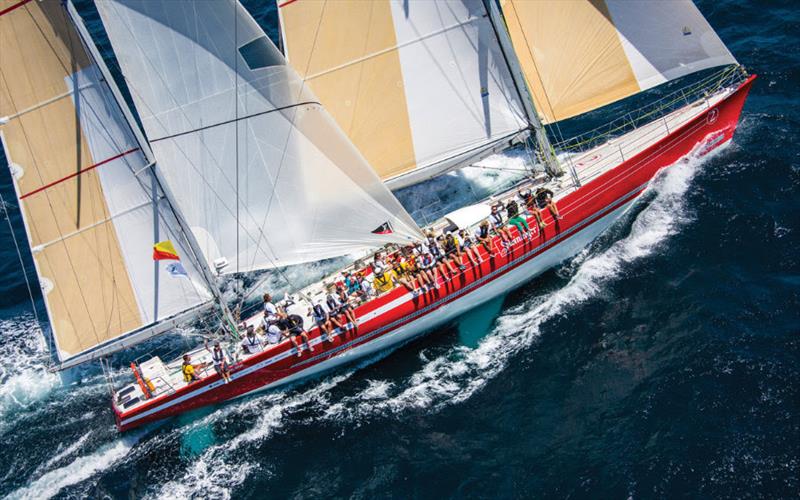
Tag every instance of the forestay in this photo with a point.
(418, 86)
(91, 207)
(578, 55)
(262, 173)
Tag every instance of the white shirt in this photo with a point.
(270, 312)
(367, 287)
(251, 345)
(273, 334)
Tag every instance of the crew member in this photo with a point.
(498, 224)
(188, 370)
(220, 363)
(544, 198)
(293, 325)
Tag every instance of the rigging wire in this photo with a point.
(166, 87)
(21, 263)
(236, 287)
(547, 98)
(30, 147)
(282, 161)
(112, 139)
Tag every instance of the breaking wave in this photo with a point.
(216, 471)
(457, 374)
(445, 378)
(24, 378)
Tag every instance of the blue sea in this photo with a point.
(661, 362)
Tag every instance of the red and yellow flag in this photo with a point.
(165, 250)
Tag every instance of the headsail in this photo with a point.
(92, 209)
(418, 86)
(259, 169)
(578, 55)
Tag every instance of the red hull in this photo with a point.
(579, 209)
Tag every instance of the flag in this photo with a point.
(164, 250)
(176, 269)
(384, 228)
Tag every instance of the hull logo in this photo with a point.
(712, 116)
(711, 143)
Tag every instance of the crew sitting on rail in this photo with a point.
(293, 325)
(324, 320)
(188, 370)
(515, 219)
(544, 198)
(484, 236)
(347, 309)
(498, 224)
(426, 263)
(466, 243)
(402, 274)
(443, 263)
(419, 279)
(452, 249)
(530, 204)
(250, 343)
(270, 311)
(219, 360)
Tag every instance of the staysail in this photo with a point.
(579, 55)
(92, 209)
(261, 172)
(418, 86)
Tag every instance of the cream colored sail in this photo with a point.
(92, 209)
(578, 55)
(258, 168)
(418, 86)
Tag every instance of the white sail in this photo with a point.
(92, 209)
(578, 55)
(419, 86)
(259, 169)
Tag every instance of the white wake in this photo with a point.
(456, 375)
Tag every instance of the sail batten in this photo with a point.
(411, 83)
(92, 210)
(261, 173)
(579, 55)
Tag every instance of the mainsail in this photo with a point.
(418, 86)
(579, 55)
(92, 209)
(261, 172)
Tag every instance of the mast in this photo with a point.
(202, 263)
(545, 148)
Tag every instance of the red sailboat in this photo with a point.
(251, 158)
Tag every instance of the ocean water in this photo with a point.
(661, 362)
